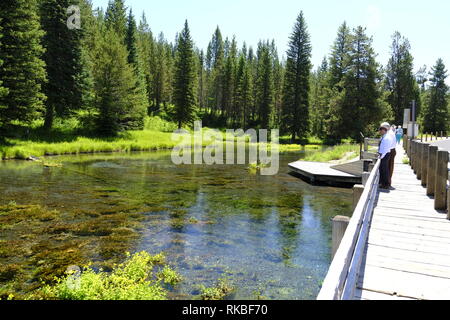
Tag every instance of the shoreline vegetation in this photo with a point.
(68, 139)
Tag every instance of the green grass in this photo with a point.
(69, 138)
(135, 279)
(335, 153)
(130, 141)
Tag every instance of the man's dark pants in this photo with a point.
(384, 171)
(391, 165)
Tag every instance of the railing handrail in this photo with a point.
(340, 281)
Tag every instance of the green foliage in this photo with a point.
(116, 18)
(401, 84)
(296, 86)
(119, 99)
(155, 123)
(219, 292)
(185, 79)
(348, 151)
(132, 280)
(264, 92)
(64, 86)
(359, 107)
(436, 113)
(22, 72)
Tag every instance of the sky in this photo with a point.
(425, 23)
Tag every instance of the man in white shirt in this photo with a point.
(384, 153)
(392, 132)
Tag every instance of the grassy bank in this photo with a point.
(344, 151)
(67, 138)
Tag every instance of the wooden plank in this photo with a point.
(396, 221)
(322, 172)
(408, 266)
(412, 230)
(415, 256)
(409, 235)
(408, 214)
(377, 296)
(405, 284)
(382, 238)
(354, 168)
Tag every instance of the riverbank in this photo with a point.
(68, 140)
(338, 153)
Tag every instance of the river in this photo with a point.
(269, 236)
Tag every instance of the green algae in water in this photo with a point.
(270, 235)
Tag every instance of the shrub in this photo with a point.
(132, 280)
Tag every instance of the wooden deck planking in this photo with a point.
(408, 249)
(323, 172)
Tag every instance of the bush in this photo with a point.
(157, 124)
(132, 280)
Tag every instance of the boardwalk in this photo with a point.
(408, 251)
(396, 247)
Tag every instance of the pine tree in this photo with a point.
(264, 85)
(400, 80)
(185, 79)
(338, 66)
(244, 90)
(201, 80)
(116, 18)
(146, 56)
(229, 76)
(63, 50)
(215, 60)
(436, 113)
(339, 54)
(278, 81)
(3, 90)
(319, 99)
(119, 102)
(161, 72)
(360, 101)
(23, 71)
(296, 85)
(131, 40)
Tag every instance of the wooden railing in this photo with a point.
(430, 164)
(369, 142)
(342, 277)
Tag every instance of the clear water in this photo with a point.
(268, 236)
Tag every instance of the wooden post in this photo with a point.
(440, 194)
(419, 160)
(412, 157)
(365, 178)
(425, 153)
(366, 144)
(409, 147)
(340, 224)
(366, 165)
(357, 193)
(448, 201)
(426, 137)
(431, 178)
